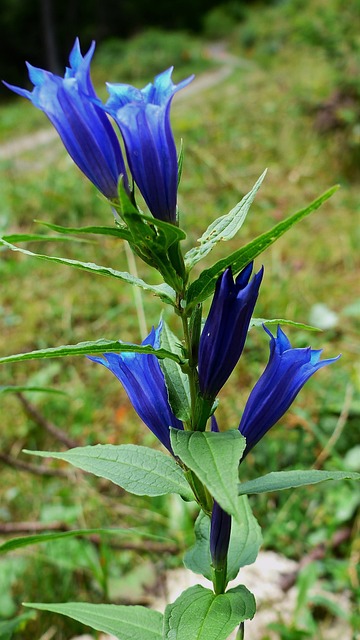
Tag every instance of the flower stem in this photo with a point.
(191, 371)
(219, 579)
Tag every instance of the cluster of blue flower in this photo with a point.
(143, 117)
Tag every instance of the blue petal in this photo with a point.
(144, 382)
(143, 117)
(82, 125)
(225, 330)
(220, 530)
(285, 374)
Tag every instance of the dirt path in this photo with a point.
(216, 51)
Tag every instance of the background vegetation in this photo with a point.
(289, 100)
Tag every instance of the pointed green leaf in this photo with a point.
(90, 348)
(139, 470)
(258, 322)
(199, 614)
(36, 237)
(169, 232)
(154, 241)
(146, 225)
(223, 228)
(163, 291)
(177, 382)
(123, 622)
(22, 388)
(214, 458)
(204, 286)
(245, 542)
(26, 541)
(116, 231)
(278, 480)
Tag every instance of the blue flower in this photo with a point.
(285, 374)
(220, 526)
(224, 334)
(82, 125)
(143, 116)
(220, 530)
(144, 382)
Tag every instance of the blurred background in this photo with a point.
(277, 85)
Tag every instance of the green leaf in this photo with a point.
(204, 286)
(278, 480)
(168, 232)
(258, 322)
(214, 458)
(8, 627)
(223, 228)
(245, 542)
(199, 614)
(177, 382)
(154, 241)
(139, 470)
(118, 232)
(163, 291)
(35, 237)
(124, 622)
(88, 348)
(26, 541)
(24, 388)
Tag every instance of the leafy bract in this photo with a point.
(26, 541)
(258, 322)
(164, 292)
(88, 348)
(204, 286)
(124, 622)
(278, 480)
(224, 228)
(245, 542)
(139, 470)
(37, 237)
(155, 241)
(23, 388)
(116, 231)
(214, 458)
(199, 614)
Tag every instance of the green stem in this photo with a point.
(241, 632)
(191, 371)
(219, 579)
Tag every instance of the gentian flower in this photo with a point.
(144, 382)
(220, 526)
(220, 530)
(225, 330)
(83, 126)
(285, 374)
(143, 116)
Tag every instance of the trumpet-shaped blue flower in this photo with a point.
(82, 125)
(143, 116)
(285, 374)
(224, 334)
(144, 382)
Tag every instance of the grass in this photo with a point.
(257, 117)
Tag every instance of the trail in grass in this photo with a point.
(216, 52)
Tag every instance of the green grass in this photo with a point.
(258, 117)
